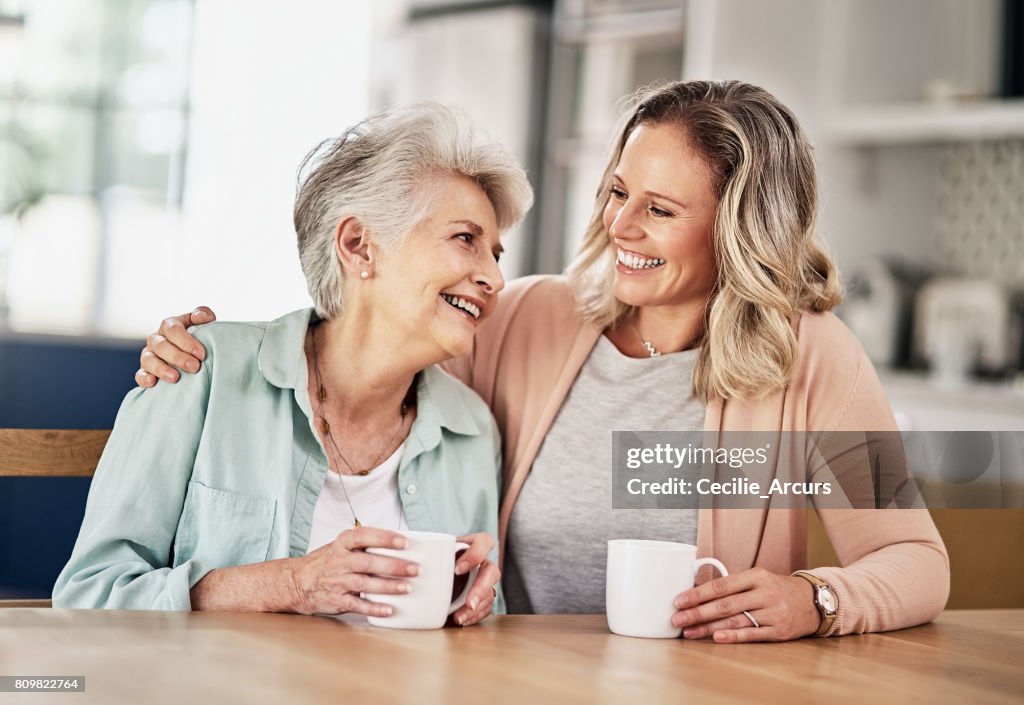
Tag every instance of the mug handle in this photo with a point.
(470, 579)
(700, 562)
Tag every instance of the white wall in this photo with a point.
(481, 61)
(270, 81)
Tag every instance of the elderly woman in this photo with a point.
(700, 299)
(254, 485)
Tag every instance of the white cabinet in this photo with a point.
(899, 101)
(910, 123)
(882, 88)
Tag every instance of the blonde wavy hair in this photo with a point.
(771, 264)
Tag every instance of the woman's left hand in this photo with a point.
(782, 604)
(482, 592)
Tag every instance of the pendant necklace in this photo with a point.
(325, 427)
(649, 346)
(651, 350)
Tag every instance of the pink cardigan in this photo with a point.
(896, 570)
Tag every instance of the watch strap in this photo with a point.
(827, 618)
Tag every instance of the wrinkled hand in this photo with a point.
(330, 579)
(481, 594)
(172, 346)
(782, 604)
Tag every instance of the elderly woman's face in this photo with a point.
(443, 280)
(660, 218)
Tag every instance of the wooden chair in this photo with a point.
(48, 453)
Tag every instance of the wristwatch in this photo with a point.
(825, 600)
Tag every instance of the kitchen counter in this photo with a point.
(923, 404)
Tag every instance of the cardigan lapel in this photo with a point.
(737, 532)
(706, 545)
(574, 358)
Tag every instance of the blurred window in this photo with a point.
(93, 122)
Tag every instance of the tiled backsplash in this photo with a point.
(982, 209)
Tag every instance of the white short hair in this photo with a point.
(379, 172)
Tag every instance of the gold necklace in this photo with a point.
(326, 429)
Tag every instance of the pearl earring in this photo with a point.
(364, 274)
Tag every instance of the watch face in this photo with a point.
(827, 599)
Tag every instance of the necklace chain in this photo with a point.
(325, 427)
(649, 346)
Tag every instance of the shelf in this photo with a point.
(918, 123)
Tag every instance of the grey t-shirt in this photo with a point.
(557, 548)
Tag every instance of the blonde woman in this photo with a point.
(700, 299)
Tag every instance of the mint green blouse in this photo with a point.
(224, 468)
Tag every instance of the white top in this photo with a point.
(374, 498)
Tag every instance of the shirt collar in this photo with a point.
(282, 358)
(441, 400)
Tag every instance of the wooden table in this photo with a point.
(189, 659)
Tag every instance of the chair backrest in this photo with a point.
(50, 453)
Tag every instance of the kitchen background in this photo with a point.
(148, 150)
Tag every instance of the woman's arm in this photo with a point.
(895, 570)
(123, 555)
(260, 587)
(328, 580)
(172, 349)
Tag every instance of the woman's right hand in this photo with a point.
(330, 579)
(172, 346)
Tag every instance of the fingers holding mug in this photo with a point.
(480, 545)
(644, 579)
(432, 600)
(482, 594)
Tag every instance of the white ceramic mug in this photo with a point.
(642, 582)
(429, 601)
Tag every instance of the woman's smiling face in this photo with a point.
(443, 279)
(660, 218)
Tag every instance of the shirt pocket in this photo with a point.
(219, 529)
